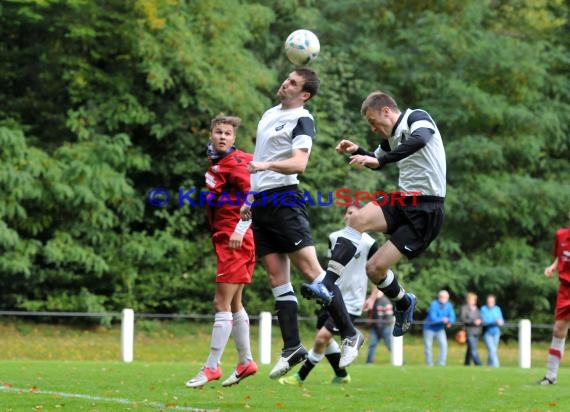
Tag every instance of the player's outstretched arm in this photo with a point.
(360, 161)
(549, 270)
(346, 146)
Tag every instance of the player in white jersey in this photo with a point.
(280, 221)
(412, 218)
(353, 285)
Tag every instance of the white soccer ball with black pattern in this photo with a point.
(302, 47)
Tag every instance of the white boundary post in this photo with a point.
(397, 352)
(524, 343)
(265, 338)
(127, 335)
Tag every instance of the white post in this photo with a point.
(524, 343)
(127, 335)
(397, 352)
(265, 338)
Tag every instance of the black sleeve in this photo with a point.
(305, 126)
(385, 146)
(372, 250)
(417, 140)
(361, 151)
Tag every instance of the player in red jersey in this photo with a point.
(562, 312)
(228, 181)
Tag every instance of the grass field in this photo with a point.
(51, 368)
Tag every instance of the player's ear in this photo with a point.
(306, 96)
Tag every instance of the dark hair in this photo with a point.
(223, 119)
(377, 100)
(312, 81)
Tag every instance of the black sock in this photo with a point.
(396, 294)
(306, 369)
(341, 254)
(287, 315)
(337, 310)
(334, 360)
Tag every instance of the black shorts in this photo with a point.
(412, 226)
(280, 221)
(324, 319)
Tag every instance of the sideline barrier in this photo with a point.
(127, 335)
(397, 352)
(524, 343)
(265, 338)
(127, 317)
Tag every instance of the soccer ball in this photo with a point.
(302, 47)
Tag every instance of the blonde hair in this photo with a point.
(223, 119)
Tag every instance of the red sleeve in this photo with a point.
(241, 179)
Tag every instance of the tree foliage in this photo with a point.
(103, 101)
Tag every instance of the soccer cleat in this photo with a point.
(349, 349)
(242, 371)
(341, 379)
(204, 376)
(317, 291)
(404, 318)
(288, 359)
(546, 381)
(293, 380)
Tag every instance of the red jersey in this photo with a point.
(562, 252)
(228, 181)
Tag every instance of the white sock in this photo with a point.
(220, 335)
(554, 356)
(284, 292)
(240, 333)
(332, 347)
(320, 277)
(315, 357)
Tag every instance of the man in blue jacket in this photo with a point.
(440, 316)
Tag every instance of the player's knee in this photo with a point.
(220, 305)
(376, 271)
(560, 329)
(354, 220)
(321, 342)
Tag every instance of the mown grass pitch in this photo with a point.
(141, 386)
(57, 368)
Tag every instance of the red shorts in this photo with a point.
(234, 265)
(562, 311)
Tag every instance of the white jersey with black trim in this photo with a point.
(353, 283)
(425, 170)
(279, 132)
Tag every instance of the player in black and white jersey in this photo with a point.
(280, 220)
(353, 285)
(411, 140)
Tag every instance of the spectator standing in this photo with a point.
(492, 319)
(471, 319)
(381, 318)
(440, 316)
